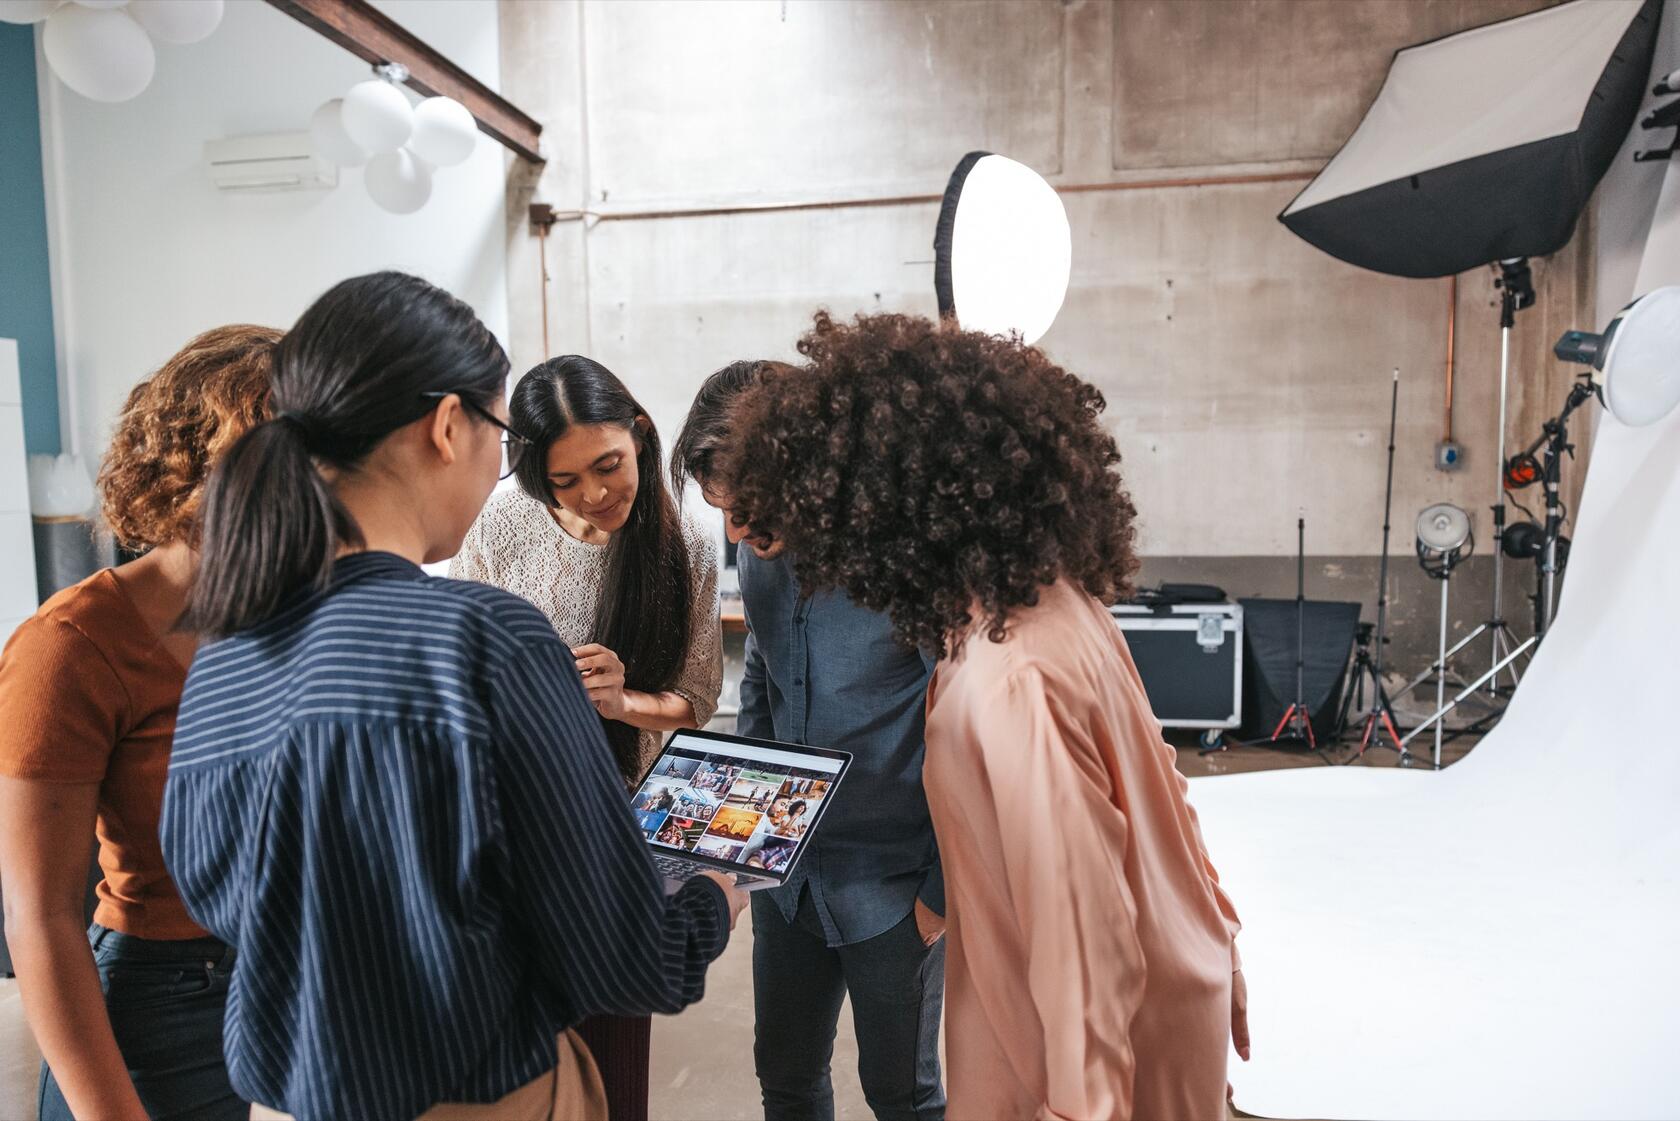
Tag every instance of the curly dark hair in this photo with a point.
(175, 426)
(923, 470)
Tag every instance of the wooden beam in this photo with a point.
(375, 37)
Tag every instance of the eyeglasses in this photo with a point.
(514, 445)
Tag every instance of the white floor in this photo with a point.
(702, 1059)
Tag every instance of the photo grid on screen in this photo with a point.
(740, 811)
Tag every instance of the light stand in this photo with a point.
(1444, 541)
(1557, 446)
(1297, 721)
(1366, 665)
(1516, 292)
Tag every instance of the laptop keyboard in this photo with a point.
(674, 868)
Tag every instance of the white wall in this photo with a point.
(146, 252)
(17, 541)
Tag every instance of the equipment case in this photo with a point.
(1190, 657)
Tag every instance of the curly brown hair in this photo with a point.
(175, 425)
(923, 470)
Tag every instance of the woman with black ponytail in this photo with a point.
(593, 538)
(390, 792)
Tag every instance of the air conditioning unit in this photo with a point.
(274, 161)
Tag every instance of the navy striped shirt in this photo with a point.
(396, 802)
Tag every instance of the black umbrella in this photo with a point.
(1485, 145)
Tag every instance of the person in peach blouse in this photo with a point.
(963, 484)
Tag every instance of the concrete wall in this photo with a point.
(147, 252)
(737, 162)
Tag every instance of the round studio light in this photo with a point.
(1002, 249)
(1635, 359)
(1642, 358)
(1443, 528)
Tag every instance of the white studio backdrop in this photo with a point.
(1496, 940)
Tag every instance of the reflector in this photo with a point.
(1443, 527)
(1002, 250)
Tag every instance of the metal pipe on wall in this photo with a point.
(1452, 316)
(908, 200)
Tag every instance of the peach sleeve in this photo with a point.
(1063, 886)
(1226, 908)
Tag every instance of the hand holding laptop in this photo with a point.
(736, 898)
(734, 807)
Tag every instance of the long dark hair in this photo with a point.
(646, 596)
(355, 368)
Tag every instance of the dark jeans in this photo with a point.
(897, 986)
(165, 1000)
(621, 1046)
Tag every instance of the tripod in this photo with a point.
(1297, 720)
(1516, 292)
(1366, 665)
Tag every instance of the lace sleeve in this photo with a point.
(701, 678)
(473, 561)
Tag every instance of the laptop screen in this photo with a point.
(736, 803)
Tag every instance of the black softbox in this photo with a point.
(1484, 145)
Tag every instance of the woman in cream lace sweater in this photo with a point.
(592, 537)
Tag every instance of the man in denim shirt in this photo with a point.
(862, 913)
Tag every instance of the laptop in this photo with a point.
(732, 804)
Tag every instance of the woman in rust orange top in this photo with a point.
(88, 693)
(963, 484)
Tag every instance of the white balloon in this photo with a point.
(398, 181)
(327, 137)
(103, 55)
(27, 11)
(444, 132)
(102, 5)
(377, 116)
(177, 21)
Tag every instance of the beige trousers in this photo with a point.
(570, 1092)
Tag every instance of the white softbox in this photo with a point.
(1002, 249)
(1484, 145)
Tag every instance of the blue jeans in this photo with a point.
(165, 1000)
(897, 986)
